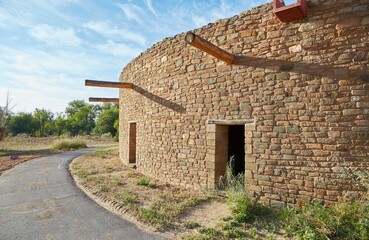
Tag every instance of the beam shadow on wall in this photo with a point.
(321, 70)
(155, 98)
(314, 69)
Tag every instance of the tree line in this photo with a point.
(79, 118)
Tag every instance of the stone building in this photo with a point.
(293, 109)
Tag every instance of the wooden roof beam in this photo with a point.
(209, 48)
(110, 100)
(291, 12)
(96, 83)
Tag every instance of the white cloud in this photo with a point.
(22, 63)
(62, 2)
(36, 61)
(25, 100)
(223, 11)
(51, 92)
(199, 21)
(4, 17)
(55, 36)
(133, 12)
(109, 31)
(151, 7)
(119, 49)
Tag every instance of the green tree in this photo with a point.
(73, 107)
(106, 120)
(22, 123)
(60, 125)
(80, 117)
(44, 120)
(116, 126)
(85, 118)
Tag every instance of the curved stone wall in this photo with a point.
(305, 84)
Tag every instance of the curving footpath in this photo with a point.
(39, 200)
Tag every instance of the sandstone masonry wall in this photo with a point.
(304, 83)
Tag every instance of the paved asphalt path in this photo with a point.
(39, 200)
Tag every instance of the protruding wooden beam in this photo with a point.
(93, 99)
(291, 12)
(96, 83)
(209, 48)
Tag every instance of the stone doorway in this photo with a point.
(132, 143)
(227, 138)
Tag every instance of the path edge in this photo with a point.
(112, 206)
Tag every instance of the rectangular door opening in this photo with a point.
(229, 144)
(132, 143)
(236, 147)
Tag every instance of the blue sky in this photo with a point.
(48, 47)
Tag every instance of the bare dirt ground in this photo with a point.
(113, 185)
(26, 148)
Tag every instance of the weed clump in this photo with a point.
(341, 221)
(145, 182)
(67, 145)
(208, 231)
(191, 225)
(347, 220)
(233, 184)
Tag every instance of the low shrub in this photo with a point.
(230, 182)
(191, 225)
(129, 198)
(348, 220)
(116, 181)
(341, 221)
(234, 233)
(106, 135)
(145, 182)
(67, 145)
(310, 222)
(99, 153)
(23, 135)
(2, 154)
(246, 210)
(151, 215)
(208, 231)
(80, 173)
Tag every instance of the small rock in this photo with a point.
(295, 49)
(13, 157)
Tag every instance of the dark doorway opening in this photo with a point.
(132, 143)
(236, 147)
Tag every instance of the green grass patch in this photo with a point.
(127, 197)
(116, 181)
(234, 233)
(211, 232)
(3, 154)
(340, 221)
(246, 210)
(163, 210)
(100, 153)
(67, 145)
(145, 182)
(191, 225)
(152, 216)
(197, 236)
(230, 225)
(80, 173)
